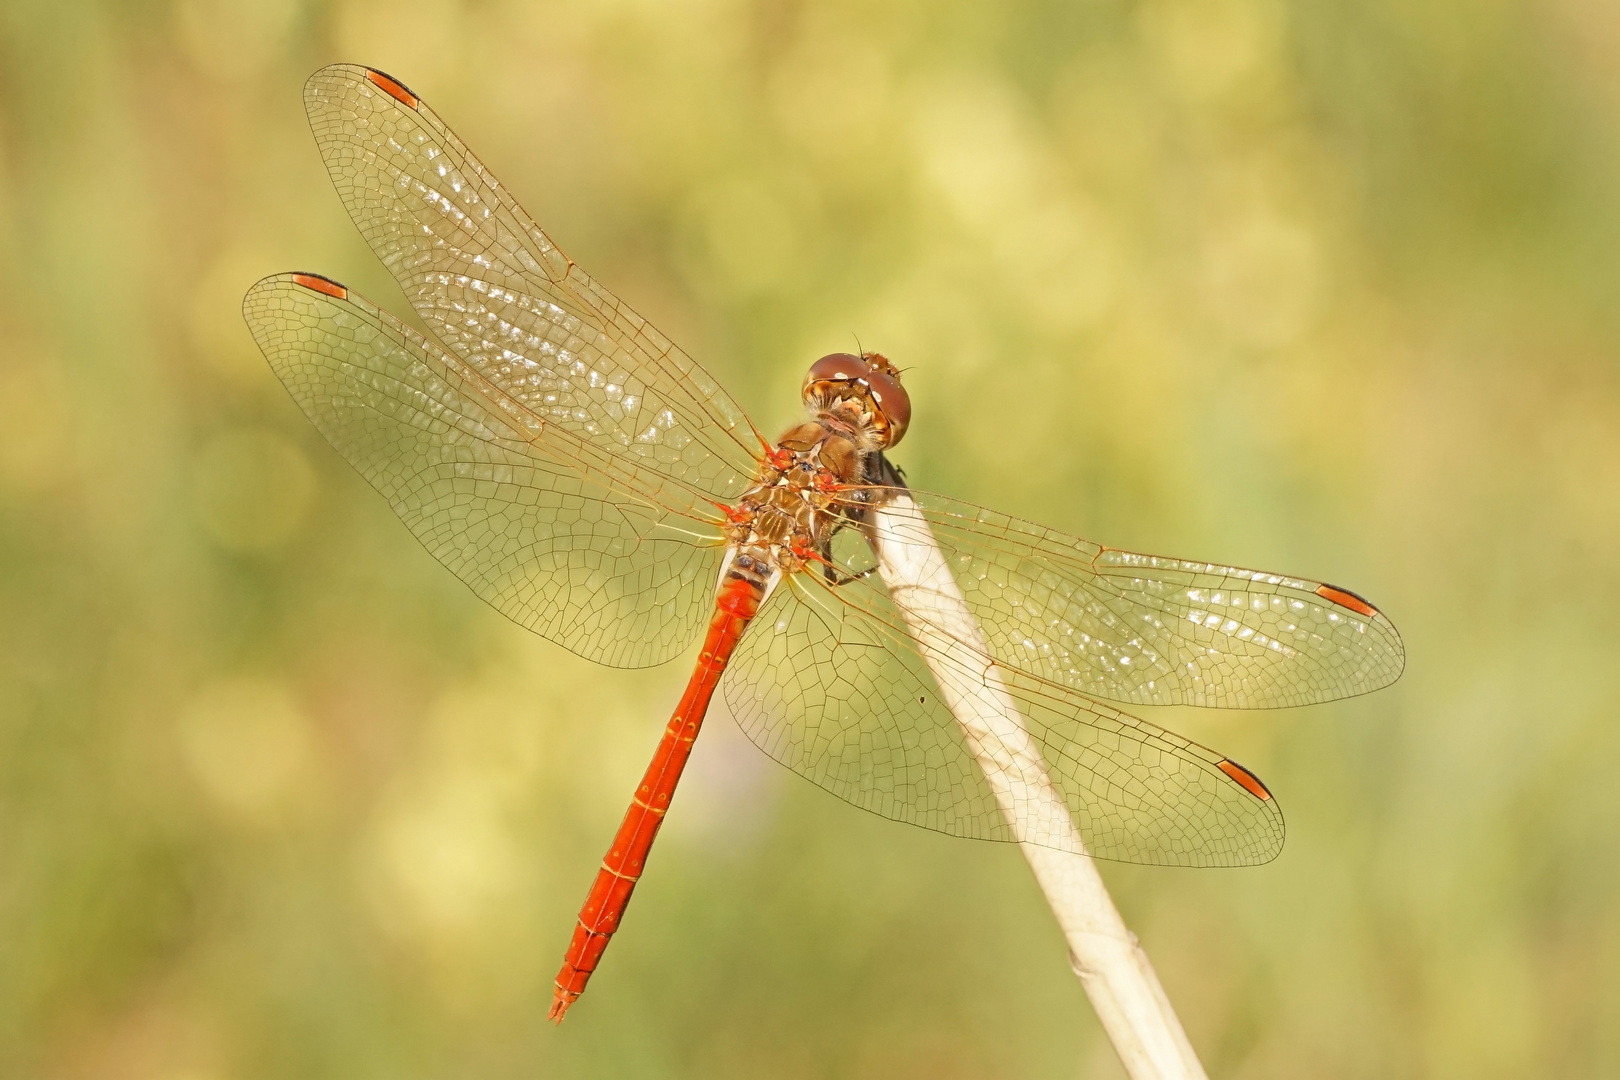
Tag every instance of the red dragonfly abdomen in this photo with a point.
(735, 606)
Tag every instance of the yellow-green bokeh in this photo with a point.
(1325, 288)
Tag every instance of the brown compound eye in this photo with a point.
(837, 367)
(893, 403)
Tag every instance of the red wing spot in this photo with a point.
(1345, 598)
(393, 88)
(321, 285)
(1243, 776)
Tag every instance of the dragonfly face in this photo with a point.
(862, 391)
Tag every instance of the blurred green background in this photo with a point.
(1332, 289)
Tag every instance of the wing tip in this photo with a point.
(1249, 782)
(1346, 599)
(261, 298)
(392, 87)
(320, 283)
(317, 85)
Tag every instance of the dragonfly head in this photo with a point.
(867, 381)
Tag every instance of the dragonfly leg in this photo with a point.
(835, 577)
(835, 574)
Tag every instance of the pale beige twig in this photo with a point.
(1106, 956)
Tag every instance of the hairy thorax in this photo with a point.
(813, 481)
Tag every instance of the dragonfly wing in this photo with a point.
(828, 682)
(501, 297)
(591, 551)
(1149, 630)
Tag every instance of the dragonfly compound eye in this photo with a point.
(868, 378)
(893, 403)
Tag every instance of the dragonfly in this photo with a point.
(591, 481)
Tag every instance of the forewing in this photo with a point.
(501, 297)
(828, 683)
(600, 555)
(1150, 630)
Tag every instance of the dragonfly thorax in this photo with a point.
(799, 497)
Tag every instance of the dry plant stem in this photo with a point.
(1106, 956)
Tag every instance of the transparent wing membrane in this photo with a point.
(830, 683)
(1148, 630)
(604, 557)
(564, 459)
(501, 297)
